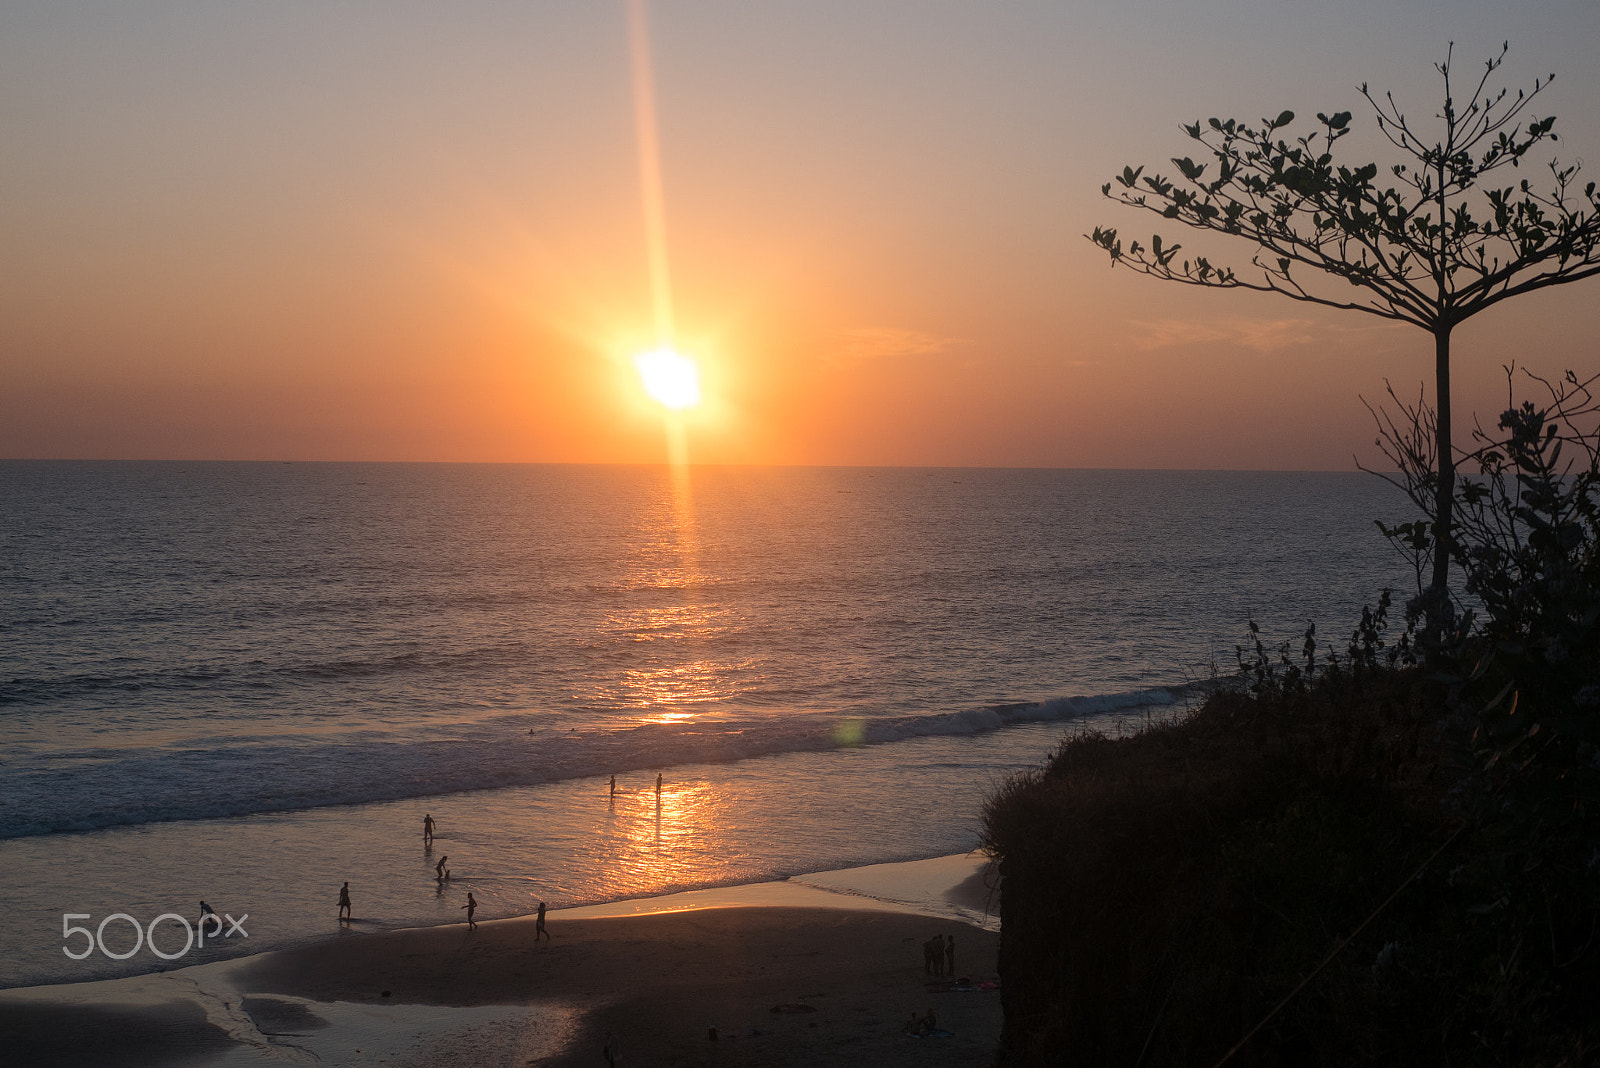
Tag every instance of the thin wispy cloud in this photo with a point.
(1260, 335)
(880, 343)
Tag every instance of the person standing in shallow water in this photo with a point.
(344, 902)
(658, 784)
(427, 829)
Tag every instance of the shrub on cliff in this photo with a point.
(1298, 864)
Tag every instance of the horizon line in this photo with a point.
(697, 464)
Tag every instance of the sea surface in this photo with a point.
(248, 682)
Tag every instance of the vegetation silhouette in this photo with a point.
(1313, 867)
(1437, 242)
(1298, 872)
(1325, 863)
(1521, 667)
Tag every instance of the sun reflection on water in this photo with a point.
(671, 622)
(663, 839)
(670, 717)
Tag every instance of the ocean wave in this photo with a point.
(89, 790)
(219, 675)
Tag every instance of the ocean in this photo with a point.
(247, 683)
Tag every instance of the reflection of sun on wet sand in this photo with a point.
(780, 979)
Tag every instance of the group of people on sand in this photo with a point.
(939, 956)
(441, 872)
(939, 961)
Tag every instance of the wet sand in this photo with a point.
(842, 984)
(172, 1034)
(786, 973)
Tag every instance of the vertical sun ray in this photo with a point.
(667, 376)
(655, 223)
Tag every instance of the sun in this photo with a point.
(670, 378)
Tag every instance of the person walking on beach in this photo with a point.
(344, 903)
(427, 829)
(538, 925)
(471, 906)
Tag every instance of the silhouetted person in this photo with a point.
(950, 955)
(613, 786)
(427, 829)
(208, 913)
(658, 784)
(344, 902)
(439, 869)
(611, 1051)
(927, 957)
(471, 906)
(538, 925)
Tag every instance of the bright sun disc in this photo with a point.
(669, 378)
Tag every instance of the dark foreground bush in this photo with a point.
(1164, 893)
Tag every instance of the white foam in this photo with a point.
(920, 887)
(936, 887)
(158, 784)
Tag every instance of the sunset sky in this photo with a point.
(414, 231)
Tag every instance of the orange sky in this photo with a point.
(404, 232)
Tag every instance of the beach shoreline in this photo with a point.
(820, 969)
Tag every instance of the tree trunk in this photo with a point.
(1444, 491)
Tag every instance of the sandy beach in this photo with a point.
(781, 984)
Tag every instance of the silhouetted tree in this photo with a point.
(1433, 249)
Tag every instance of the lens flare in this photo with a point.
(849, 733)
